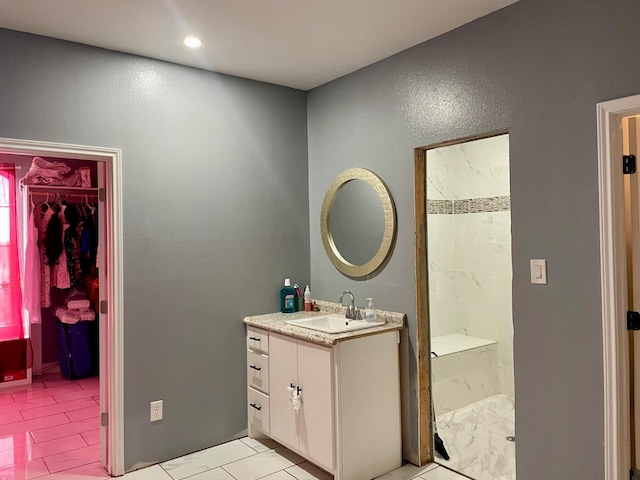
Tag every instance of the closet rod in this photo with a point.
(65, 196)
(16, 167)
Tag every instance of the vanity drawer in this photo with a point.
(257, 339)
(258, 410)
(258, 371)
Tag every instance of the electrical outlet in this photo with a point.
(156, 411)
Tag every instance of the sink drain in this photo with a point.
(511, 438)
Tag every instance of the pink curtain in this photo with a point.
(10, 294)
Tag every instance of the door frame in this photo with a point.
(423, 387)
(113, 385)
(613, 275)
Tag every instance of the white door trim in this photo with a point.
(614, 285)
(115, 343)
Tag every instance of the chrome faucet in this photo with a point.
(352, 312)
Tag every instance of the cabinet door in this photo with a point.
(283, 352)
(315, 419)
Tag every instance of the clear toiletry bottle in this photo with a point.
(307, 299)
(369, 312)
(287, 297)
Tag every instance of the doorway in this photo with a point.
(463, 222)
(619, 214)
(106, 163)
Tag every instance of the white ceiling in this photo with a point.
(296, 43)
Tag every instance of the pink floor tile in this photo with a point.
(92, 471)
(84, 413)
(52, 421)
(26, 404)
(6, 400)
(25, 471)
(11, 417)
(6, 392)
(60, 431)
(43, 392)
(40, 450)
(57, 408)
(18, 440)
(67, 397)
(92, 437)
(72, 458)
(90, 382)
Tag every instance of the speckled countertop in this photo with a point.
(276, 322)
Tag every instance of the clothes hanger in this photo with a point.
(91, 207)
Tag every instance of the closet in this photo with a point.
(59, 210)
(64, 221)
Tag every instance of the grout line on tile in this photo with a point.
(278, 471)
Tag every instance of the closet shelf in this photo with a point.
(60, 188)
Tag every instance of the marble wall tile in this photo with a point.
(502, 226)
(440, 256)
(441, 312)
(484, 256)
(460, 184)
(506, 379)
(486, 182)
(442, 285)
(504, 285)
(475, 285)
(475, 177)
(461, 260)
(439, 177)
(440, 228)
(462, 319)
(463, 363)
(473, 227)
(457, 392)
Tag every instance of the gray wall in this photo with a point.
(215, 216)
(537, 68)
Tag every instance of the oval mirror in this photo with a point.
(357, 222)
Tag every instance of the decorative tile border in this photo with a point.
(439, 206)
(469, 205)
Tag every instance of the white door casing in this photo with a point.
(617, 454)
(111, 335)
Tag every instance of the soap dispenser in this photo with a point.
(369, 312)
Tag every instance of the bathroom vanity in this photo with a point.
(333, 398)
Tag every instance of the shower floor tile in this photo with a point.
(475, 439)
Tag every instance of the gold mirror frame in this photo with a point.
(388, 207)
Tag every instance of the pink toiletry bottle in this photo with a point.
(307, 299)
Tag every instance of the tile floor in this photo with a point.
(50, 430)
(475, 439)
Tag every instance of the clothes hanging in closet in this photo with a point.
(67, 245)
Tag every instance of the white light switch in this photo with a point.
(539, 271)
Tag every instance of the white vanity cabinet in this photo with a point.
(348, 422)
(308, 369)
(258, 382)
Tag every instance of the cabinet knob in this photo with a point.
(255, 368)
(257, 407)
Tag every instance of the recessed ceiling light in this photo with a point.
(192, 42)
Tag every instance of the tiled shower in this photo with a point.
(470, 273)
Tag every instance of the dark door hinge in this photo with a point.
(628, 164)
(102, 195)
(633, 323)
(104, 419)
(103, 307)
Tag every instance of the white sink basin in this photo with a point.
(333, 324)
